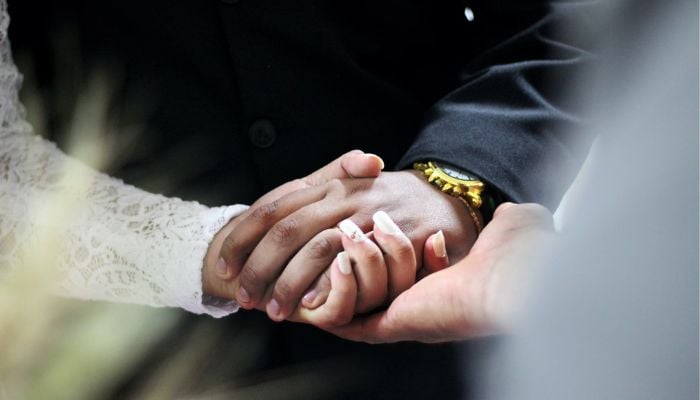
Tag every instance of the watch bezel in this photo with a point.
(469, 190)
(451, 171)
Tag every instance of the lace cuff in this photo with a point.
(187, 286)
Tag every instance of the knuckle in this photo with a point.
(360, 187)
(323, 286)
(533, 214)
(284, 231)
(322, 248)
(299, 182)
(266, 211)
(228, 246)
(250, 278)
(404, 252)
(374, 256)
(335, 184)
(283, 292)
(539, 211)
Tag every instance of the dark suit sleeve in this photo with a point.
(508, 120)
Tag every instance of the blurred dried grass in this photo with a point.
(56, 348)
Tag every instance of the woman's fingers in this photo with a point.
(301, 271)
(399, 255)
(368, 264)
(399, 262)
(339, 307)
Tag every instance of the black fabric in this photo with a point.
(409, 80)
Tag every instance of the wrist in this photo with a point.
(465, 190)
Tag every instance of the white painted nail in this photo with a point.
(439, 245)
(385, 223)
(351, 230)
(344, 263)
(381, 161)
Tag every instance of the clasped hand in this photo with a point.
(287, 256)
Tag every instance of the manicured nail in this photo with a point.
(222, 268)
(273, 308)
(309, 297)
(439, 245)
(385, 223)
(351, 230)
(381, 162)
(344, 263)
(242, 296)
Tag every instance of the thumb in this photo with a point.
(376, 328)
(414, 315)
(430, 311)
(353, 164)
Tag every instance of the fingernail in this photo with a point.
(351, 230)
(242, 296)
(439, 245)
(381, 162)
(385, 223)
(222, 268)
(273, 308)
(309, 297)
(344, 263)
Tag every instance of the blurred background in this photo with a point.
(53, 348)
(105, 112)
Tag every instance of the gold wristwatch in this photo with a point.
(456, 183)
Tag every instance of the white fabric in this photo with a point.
(120, 243)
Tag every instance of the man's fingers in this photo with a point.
(280, 243)
(244, 238)
(318, 293)
(339, 308)
(399, 256)
(301, 271)
(353, 164)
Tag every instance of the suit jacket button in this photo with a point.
(262, 133)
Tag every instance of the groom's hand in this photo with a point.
(279, 246)
(474, 297)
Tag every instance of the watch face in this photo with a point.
(454, 173)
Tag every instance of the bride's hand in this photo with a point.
(382, 269)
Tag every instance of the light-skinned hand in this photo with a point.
(475, 296)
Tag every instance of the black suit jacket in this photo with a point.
(249, 94)
(235, 97)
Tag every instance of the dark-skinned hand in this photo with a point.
(279, 251)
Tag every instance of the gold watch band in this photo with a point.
(467, 191)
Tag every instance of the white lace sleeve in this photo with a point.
(118, 243)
